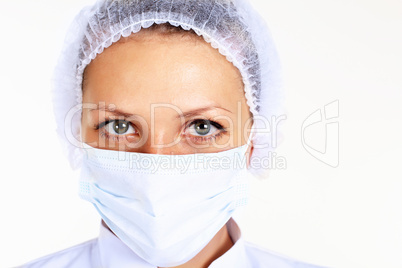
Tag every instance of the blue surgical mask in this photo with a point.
(166, 208)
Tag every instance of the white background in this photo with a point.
(349, 216)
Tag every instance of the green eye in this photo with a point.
(202, 127)
(119, 127)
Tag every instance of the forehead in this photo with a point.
(156, 69)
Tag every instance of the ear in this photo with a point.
(249, 152)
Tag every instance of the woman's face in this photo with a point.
(164, 95)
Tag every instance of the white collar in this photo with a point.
(115, 254)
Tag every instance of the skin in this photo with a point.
(185, 73)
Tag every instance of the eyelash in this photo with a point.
(105, 134)
(222, 130)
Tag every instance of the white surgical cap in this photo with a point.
(231, 26)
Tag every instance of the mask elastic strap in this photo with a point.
(250, 137)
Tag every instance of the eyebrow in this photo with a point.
(184, 114)
(201, 110)
(114, 111)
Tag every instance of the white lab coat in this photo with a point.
(108, 251)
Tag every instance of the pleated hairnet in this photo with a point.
(231, 26)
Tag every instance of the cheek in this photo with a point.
(85, 116)
(88, 131)
(84, 128)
